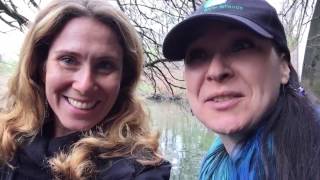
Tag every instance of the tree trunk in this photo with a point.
(311, 68)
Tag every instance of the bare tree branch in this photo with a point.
(11, 10)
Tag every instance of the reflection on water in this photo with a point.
(184, 141)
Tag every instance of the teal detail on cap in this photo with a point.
(211, 3)
(223, 6)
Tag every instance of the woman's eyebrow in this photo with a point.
(70, 52)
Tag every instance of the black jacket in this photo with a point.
(31, 163)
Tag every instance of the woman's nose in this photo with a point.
(219, 70)
(84, 81)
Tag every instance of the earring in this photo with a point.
(301, 91)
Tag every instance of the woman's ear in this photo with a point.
(284, 69)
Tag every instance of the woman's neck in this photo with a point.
(230, 141)
(60, 131)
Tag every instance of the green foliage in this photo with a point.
(145, 88)
(7, 68)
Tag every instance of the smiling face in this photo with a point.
(83, 74)
(232, 78)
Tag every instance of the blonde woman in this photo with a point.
(72, 112)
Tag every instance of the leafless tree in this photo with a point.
(311, 69)
(295, 16)
(154, 18)
(10, 12)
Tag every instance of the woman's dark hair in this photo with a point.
(294, 126)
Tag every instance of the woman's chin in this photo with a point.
(69, 128)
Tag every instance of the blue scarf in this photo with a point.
(245, 162)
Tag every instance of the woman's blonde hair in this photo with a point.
(124, 132)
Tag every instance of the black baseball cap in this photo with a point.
(256, 15)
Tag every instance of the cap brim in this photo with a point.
(179, 38)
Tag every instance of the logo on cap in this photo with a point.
(210, 3)
(216, 5)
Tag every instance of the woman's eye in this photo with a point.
(196, 56)
(68, 60)
(105, 67)
(240, 45)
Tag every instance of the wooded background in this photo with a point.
(154, 18)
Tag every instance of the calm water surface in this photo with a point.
(184, 141)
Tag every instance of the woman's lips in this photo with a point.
(224, 101)
(83, 105)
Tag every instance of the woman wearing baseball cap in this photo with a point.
(71, 111)
(241, 85)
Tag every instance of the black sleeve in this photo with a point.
(6, 173)
(130, 169)
(161, 172)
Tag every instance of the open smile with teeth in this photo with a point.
(225, 97)
(222, 98)
(81, 105)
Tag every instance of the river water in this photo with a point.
(184, 141)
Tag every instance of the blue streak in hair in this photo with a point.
(245, 162)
